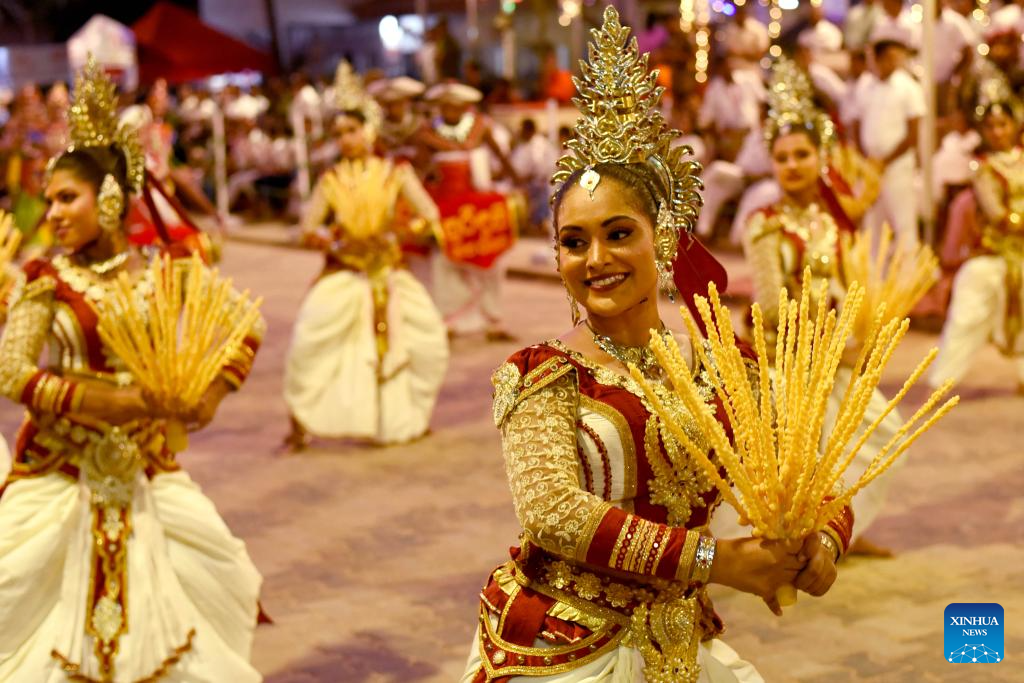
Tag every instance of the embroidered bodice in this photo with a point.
(999, 189)
(780, 241)
(56, 309)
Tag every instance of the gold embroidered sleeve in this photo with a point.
(762, 246)
(24, 336)
(988, 191)
(316, 211)
(539, 444)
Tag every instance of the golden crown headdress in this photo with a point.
(995, 92)
(620, 122)
(93, 121)
(791, 105)
(351, 95)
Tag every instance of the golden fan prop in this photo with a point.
(786, 469)
(10, 240)
(362, 193)
(893, 276)
(178, 340)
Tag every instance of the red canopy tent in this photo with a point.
(174, 44)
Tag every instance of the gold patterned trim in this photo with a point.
(589, 529)
(38, 287)
(510, 390)
(506, 387)
(74, 671)
(492, 661)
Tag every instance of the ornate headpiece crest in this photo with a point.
(791, 105)
(620, 122)
(93, 121)
(995, 92)
(350, 95)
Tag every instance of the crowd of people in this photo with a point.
(113, 566)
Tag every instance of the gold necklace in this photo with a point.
(112, 263)
(640, 356)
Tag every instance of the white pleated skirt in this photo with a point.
(335, 383)
(185, 573)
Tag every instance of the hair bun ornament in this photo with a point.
(621, 123)
(995, 93)
(351, 95)
(791, 105)
(93, 122)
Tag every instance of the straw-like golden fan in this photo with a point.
(785, 476)
(10, 240)
(894, 276)
(362, 193)
(176, 341)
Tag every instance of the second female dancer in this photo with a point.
(370, 350)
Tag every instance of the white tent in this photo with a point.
(113, 45)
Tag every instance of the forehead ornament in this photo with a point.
(590, 180)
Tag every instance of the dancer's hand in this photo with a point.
(112, 404)
(820, 572)
(756, 566)
(203, 413)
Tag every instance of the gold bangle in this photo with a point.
(683, 573)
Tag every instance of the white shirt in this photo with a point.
(732, 105)
(885, 110)
(858, 25)
(822, 37)
(952, 34)
(828, 81)
(754, 157)
(904, 23)
(750, 37)
(848, 108)
(534, 159)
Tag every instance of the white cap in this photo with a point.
(391, 89)
(245, 107)
(459, 93)
(136, 117)
(891, 32)
(1007, 19)
(819, 41)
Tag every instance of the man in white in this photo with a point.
(534, 159)
(731, 115)
(889, 106)
(953, 38)
(746, 39)
(860, 22)
(897, 17)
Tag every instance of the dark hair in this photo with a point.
(807, 128)
(882, 46)
(528, 126)
(638, 179)
(92, 164)
(983, 111)
(356, 114)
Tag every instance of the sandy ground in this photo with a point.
(373, 557)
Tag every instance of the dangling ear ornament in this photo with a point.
(590, 180)
(111, 203)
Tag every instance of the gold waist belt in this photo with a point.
(662, 621)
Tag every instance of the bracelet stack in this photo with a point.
(704, 558)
